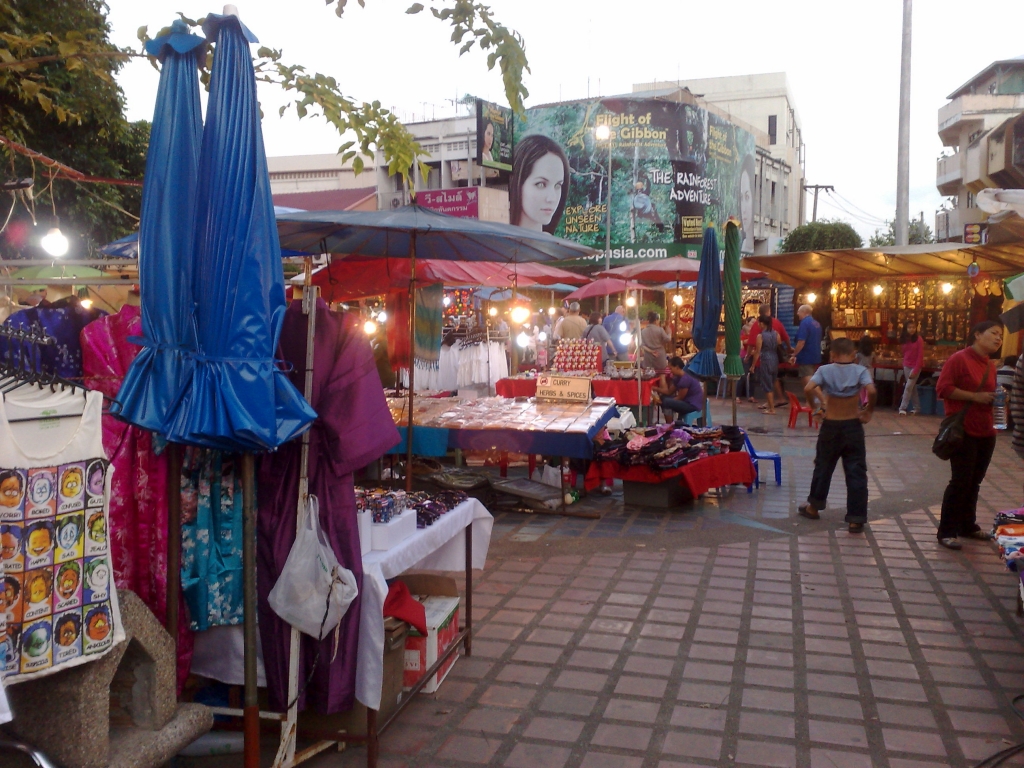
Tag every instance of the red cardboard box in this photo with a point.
(421, 652)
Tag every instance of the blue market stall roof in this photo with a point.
(436, 236)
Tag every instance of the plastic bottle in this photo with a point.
(999, 408)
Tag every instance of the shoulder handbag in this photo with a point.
(951, 430)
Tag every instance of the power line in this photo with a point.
(857, 207)
(851, 214)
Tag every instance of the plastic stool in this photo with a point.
(756, 456)
(795, 409)
(723, 387)
(690, 419)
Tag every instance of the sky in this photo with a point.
(842, 60)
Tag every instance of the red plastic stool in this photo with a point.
(795, 409)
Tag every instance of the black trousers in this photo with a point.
(841, 440)
(960, 501)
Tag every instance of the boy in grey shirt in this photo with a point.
(841, 435)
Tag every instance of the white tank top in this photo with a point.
(59, 605)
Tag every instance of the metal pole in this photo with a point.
(289, 727)
(608, 225)
(902, 224)
(412, 361)
(251, 712)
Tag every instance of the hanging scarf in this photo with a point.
(429, 324)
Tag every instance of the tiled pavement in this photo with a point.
(748, 638)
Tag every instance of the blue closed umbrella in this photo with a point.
(237, 398)
(708, 311)
(152, 384)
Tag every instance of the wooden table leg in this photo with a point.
(372, 741)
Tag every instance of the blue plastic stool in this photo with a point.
(756, 456)
(690, 419)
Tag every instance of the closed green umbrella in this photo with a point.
(731, 281)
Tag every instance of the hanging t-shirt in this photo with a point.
(59, 604)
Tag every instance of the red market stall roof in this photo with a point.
(666, 270)
(354, 278)
(928, 259)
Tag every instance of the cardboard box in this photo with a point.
(440, 598)
(391, 694)
(384, 536)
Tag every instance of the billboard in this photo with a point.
(673, 169)
(493, 135)
(463, 201)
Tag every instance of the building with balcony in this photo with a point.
(982, 126)
(763, 104)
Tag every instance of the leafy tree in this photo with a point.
(918, 233)
(824, 235)
(58, 96)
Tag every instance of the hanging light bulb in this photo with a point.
(542, 336)
(551, 310)
(917, 290)
(833, 290)
(677, 300)
(625, 338)
(493, 311)
(370, 328)
(811, 298)
(631, 301)
(447, 301)
(86, 303)
(623, 327)
(877, 290)
(382, 317)
(947, 287)
(54, 242)
(522, 340)
(520, 314)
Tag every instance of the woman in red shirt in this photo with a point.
(968, 380)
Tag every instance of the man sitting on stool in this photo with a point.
(682, 393)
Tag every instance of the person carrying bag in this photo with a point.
(967, 436)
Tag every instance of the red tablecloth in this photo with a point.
(515, 387)
(623, 390)
(699, 476)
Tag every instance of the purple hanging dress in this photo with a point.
(354, 428)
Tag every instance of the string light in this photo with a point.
(520, 314)
(54, 242)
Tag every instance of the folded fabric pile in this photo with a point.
(664, 447)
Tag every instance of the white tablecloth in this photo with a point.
(219, 652)
(439, 547)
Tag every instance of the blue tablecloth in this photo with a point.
(426, 441)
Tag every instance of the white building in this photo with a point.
(983, 127)
(763, 105)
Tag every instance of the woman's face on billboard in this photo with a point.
(542, 192)
(488, 138)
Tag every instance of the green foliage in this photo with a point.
(652, 306)
(918, 233)
(58, 96)
(824, 235)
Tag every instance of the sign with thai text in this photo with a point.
(463, 202)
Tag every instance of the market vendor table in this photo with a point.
(516, 387)
(458, 540)
(698, 476)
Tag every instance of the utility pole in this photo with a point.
(817, 188)
(902, 226)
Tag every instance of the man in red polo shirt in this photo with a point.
(755, 330)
